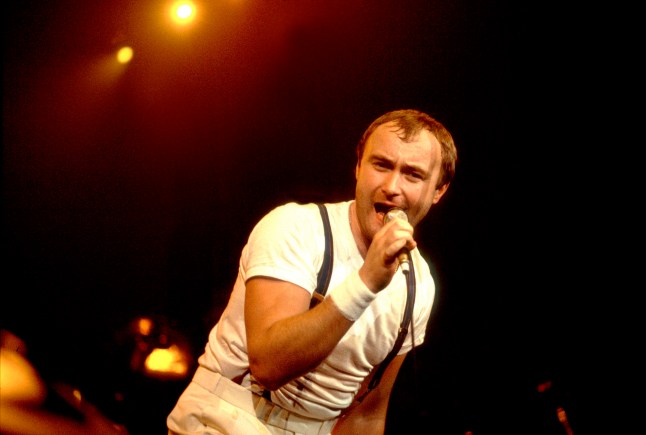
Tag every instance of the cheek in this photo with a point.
(365, 180)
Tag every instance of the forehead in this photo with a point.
(422, 149)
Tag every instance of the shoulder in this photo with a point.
(425, 279)
(422, 264)
(295, 209)
(291, 221)
(289, 215)
(286, 244)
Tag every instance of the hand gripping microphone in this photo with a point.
(404, 254)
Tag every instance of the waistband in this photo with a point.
(225, 389)
(265, 410)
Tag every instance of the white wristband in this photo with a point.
(352, 296)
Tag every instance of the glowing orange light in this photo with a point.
(560, 412)
(183, 12)
(19, 380)
(171, 362)
(543, 387)
(144, 326)
(124, 55)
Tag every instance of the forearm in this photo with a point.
(293, 346)
(369, 416)
(285, 338)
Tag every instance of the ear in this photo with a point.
(439, 192)
(356, 171)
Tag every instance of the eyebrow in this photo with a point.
(406, 167)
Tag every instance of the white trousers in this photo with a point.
(212, 404)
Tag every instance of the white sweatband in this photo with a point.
(352, 296)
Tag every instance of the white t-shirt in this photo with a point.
(288, 244)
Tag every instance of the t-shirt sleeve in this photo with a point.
(287, 244)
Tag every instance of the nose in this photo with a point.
(391, 185)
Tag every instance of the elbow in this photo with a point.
(267, 374)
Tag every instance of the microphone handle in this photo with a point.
(404, 260)
(404, 255)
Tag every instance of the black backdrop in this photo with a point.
(132, 192)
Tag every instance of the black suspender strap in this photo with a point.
(403, 328)
(323, 280)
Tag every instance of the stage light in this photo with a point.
(172, 362)
(183, 12)
(159, 351)
(19, 380)
(124, 55)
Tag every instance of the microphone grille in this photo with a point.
(395, 213)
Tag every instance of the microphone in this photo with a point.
(404, 255)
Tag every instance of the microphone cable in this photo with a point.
(409, 274)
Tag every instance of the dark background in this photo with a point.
(132, 192)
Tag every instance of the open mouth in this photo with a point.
(381, 209)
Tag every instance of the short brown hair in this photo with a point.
(409, 123)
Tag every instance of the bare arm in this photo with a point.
(369, 417)
(278, 317)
